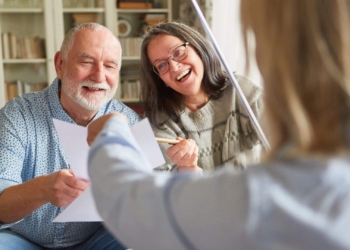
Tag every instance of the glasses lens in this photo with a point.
(161, 67)
(179, 54)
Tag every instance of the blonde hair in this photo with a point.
(303, 53)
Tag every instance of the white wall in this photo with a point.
(226, 30)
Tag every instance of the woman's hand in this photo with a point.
(185, 154)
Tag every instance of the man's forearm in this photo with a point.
(18, 201)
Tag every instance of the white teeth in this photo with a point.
(183, 74)
(92, 88)
(95, 86)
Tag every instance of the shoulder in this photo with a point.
(169, 129)
(22, 115)
(250, 89)
(32, 103)
(166, 126)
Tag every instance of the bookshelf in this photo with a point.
(130, 22)
(26, 54)
(49, 20)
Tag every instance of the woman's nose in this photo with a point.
(173, 65)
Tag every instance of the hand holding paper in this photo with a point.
(73, 140)
(96, 126)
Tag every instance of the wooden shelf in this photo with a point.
(29, 60)
(142, 10)
(21, 10)
(84, 10)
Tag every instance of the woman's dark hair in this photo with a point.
(161, 102)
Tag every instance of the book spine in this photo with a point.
(5, 45)
(13, 46)
(19, 87)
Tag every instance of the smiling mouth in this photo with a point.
(183, 75)
(92, 88)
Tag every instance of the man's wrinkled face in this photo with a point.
(90, 72)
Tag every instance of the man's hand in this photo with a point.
(63, 187)
(59, 188)
(96, 126)
(185, 154)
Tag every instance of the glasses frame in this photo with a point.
(172, 58)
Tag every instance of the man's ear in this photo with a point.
(58, 63)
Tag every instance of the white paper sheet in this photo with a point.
(144, 136)
(82, 208)
(73, 140)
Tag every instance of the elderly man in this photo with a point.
(36, 182)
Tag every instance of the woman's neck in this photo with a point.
(196, 102)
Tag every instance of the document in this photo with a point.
(81, 209)
(73, 140)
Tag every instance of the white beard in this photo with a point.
(88, 102)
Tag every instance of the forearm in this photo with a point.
(18, 201)
(117, 193)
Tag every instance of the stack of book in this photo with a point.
(13, 89)
(130, 83)
(14, 47)
(131, 46)
(130, 71)
(135, 4)
(84, 18)
(130, 88)
(18, 87)
(151, 19)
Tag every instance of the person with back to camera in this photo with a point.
(298, 198)
(36, 182)
(186, 93)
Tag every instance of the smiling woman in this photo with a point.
(187, 95)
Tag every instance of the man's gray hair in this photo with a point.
(69, 38)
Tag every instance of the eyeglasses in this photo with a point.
(177, 55)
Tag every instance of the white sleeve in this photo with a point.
(146, 210)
